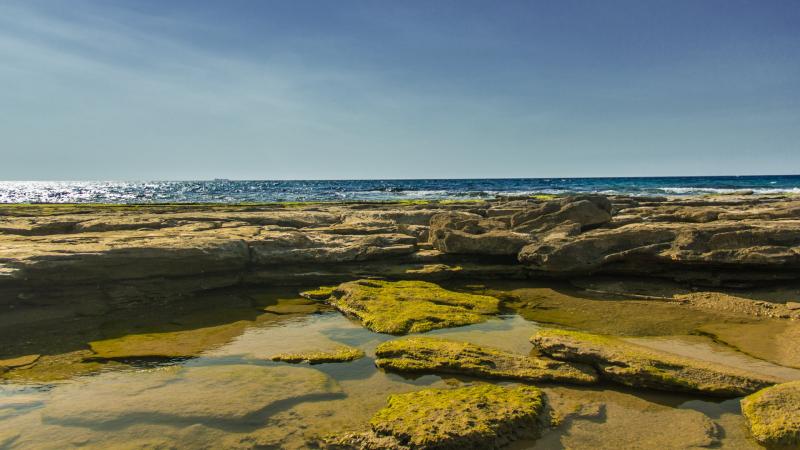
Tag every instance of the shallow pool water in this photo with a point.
(231, 395)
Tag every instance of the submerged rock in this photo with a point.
(774, 415)
(207, 394)
(174, 344)
(479, 417)
(341, 354)
(434, 355)
(403, 307)
(638, 366)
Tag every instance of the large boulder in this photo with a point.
(481, 416)
(403, 307)
(587, 211)
(434, 355)
(638, 366)
(774, 415)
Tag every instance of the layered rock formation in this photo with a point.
(114, 255)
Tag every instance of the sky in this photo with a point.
(300, 89)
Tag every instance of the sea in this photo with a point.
(244, 191)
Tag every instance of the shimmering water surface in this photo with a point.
(282, 191)
(228, 396)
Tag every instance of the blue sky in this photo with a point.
(191, 89)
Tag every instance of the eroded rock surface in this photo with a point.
(403, 307)
(480, 417)
(638, 366)
(434, 355)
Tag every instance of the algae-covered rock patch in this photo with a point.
(340, 354)
(481, 416)
(638, 366)
(173, 344)
(403, 307)
(434, 355)
(774, 415)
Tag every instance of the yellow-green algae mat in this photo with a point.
(402, 307)
(342, 353)
(774, 415)
(436, 355)
(480, 416)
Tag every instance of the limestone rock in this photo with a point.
(481, 416)
(434, 355)
(638, 366)
(403, 307)
(467, 233)
(774, 415)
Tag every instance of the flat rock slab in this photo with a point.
(208, 394)
(638, 366)
(482, 416)
(403, 307)
(340, 354)
(433, 355)
(774, 415)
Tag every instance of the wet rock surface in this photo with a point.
(638, 366)
(436, 355)
(480, 417)
(774, 415)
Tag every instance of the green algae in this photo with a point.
(172, 344)
(480, 416)
(341, 354)
(773, 415)
(638, 366)
(403, 307)
(435, 355)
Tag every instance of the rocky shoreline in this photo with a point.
(127, 254)
(720, 268)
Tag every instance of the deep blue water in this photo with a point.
(274, 191)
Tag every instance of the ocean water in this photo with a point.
(220, 191)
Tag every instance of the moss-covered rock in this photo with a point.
(340, 354)
(638, 366)
(433, 355)
(403, 307)
(482, 416)
(774, 415)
